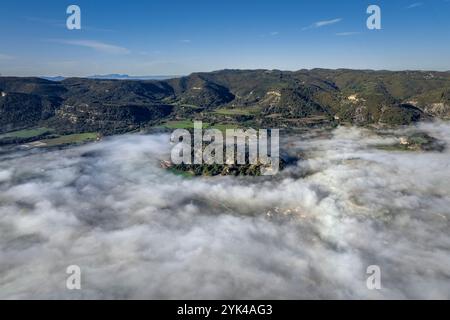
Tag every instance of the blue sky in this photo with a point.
(157, 37)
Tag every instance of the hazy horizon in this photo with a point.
(171, 76)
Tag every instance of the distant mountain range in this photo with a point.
(56, 78)
(115, 76)
(257, 98)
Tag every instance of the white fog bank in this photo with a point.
(138, 231)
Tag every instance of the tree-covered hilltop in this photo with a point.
(257, 98)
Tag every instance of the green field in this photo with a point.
(238, 111)
(71, 139)
(183, 124)
(26, 134)
(186, 124)
(184, 174)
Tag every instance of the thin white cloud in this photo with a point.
(96, 45)
(415, 5)
(269, 34)
(345, 34)
(185, 41)
(5, 57)
(49, 22)
(322, 23)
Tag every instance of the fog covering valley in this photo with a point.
(138, 231)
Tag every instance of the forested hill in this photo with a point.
(254, 97)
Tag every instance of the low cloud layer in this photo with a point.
(139, 232)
